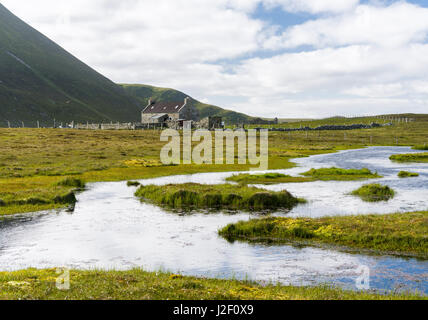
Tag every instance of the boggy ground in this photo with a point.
(140, 285)
(400, 234)
(33, 161)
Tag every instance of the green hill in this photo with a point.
(41, 81)
(144, 92)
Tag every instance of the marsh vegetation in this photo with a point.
(133, 184)
(421, 147)
(329, 174)
(192, 196)
(410, 157)
(324, 174)
(403, 233)
(407, 174)
(268, 178)
(374, 192)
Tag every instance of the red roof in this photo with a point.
(164, 107)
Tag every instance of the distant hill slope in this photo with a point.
(144, 92)
(40, 81)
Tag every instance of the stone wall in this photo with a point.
(90, 126)
(331, 127)
(209, 123)
(105, 126)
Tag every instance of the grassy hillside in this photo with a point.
(144, 92)
(41, 81)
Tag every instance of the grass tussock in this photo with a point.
(404, 233)
(374, 192)
(133, 184)
(327, 174)
(421, 147)
(72, 182)
(137, 284)
(410, 157)
(215, 197)
(268, 178)
(407, 174)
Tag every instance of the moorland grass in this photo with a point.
(268, 178)
(328, 174)
(410, 157)
(216, 197)
(137, 284)
(403, 233)
(374, 192)
(407, 174)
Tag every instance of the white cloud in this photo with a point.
(365, 58)
(313, 6)
(393, 26)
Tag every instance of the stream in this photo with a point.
(111, 229)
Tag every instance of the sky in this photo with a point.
(270, 58)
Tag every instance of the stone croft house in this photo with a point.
(176, 115)
(162, 112)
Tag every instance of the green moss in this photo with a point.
(137, 284)
(402, 234)
(406, 174)
(411, 157)
(327, 174)
(197, 196)
(374, 192)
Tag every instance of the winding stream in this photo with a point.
(110, 228)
